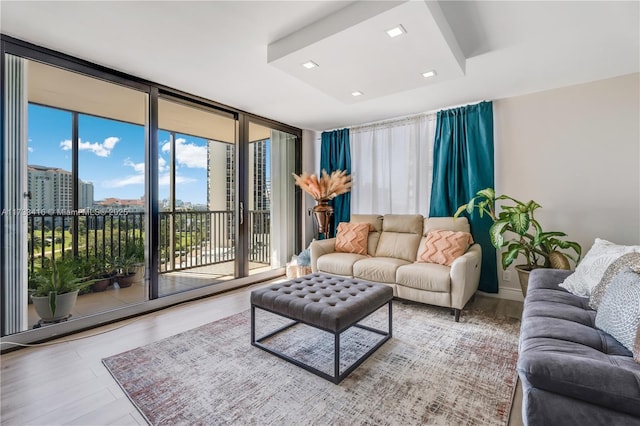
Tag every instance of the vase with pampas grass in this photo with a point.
(323, 190)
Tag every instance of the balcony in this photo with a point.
(196, 248)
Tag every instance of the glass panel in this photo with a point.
(86, 196)
(111, 188)
(271, 198)
(50, 185)
(197, 193)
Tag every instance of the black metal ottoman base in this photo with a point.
(337, 376)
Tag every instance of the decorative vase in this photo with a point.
(322, 212)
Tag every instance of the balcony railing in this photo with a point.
(188, 239)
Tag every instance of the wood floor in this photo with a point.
(66, 383)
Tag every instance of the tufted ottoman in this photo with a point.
(329, 303)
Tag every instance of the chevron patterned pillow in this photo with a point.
(352, 238)
(443, 247)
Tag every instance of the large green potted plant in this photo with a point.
(516, 229)
(55, 289)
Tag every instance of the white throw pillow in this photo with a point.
(590, 270)
(619, 312)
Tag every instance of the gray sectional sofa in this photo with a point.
(571, 372)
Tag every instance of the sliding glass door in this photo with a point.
(158, 195)
(197, 193)
(271, 197)
(77, 191)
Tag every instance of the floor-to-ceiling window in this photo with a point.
(167, 196)
(84, 186)
(271, 197)
(197, 193)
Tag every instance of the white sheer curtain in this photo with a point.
(13, 277)
(391, 166)
(283, 199)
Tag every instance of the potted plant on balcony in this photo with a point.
(126, 266)
(516, 229)
(104, 274)
(130, 264)
(55, 290)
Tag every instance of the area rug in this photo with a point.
(432, 371)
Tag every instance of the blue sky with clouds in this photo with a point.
(112, 155)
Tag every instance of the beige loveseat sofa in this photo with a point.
(393, 247)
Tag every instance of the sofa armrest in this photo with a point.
(465, 276)
(320, 248)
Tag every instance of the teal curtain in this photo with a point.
(463, 164)
(335, 154)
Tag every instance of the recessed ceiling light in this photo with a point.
(429, 74)
(396, 31)
(356, 93)
(309, 64)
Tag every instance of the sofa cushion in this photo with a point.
(558, 306)
(425, 276)
(619, 313)
(378, 269)
(590, 270)
(400, 236)
(352, 238)
(449, 223)
(583, 373)
(547, 278)
(375, 222)
(618, 265)
(404, 223)
(398, 245)
(339, 263)
(443, 247)
(540, 328)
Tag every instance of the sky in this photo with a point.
(112, 155)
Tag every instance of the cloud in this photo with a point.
(188, 154)
(100, 149)
(138, 178)
(30, 149)
(137, 167)
(163, 180)
(125, 181)
(162, 165)
(110, 142)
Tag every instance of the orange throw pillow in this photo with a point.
(443, 247)
(352, 238)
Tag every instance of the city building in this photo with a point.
(52, 188)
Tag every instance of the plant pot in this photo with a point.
(64, 305)
(101, 285)
(139, 271)
(523, 275)
(125, 281)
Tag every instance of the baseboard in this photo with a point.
(506, 293)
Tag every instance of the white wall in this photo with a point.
(576, 151)
(310, 164)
